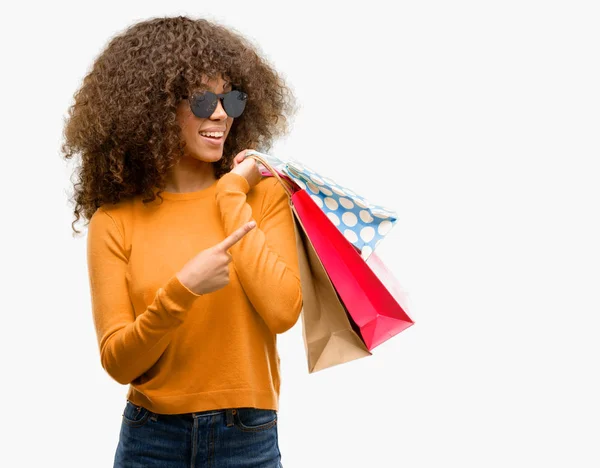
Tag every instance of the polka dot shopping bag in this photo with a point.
(363, 223)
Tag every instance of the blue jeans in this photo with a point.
(226, 438)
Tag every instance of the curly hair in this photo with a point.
(123, 121)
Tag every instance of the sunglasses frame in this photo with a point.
(217, 97)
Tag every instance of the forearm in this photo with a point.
(272, 286)
(128, 349)
(265, 259)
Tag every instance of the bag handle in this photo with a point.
(275, 173)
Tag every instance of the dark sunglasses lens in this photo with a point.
(203, 105)
(235, 103)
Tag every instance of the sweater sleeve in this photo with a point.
(265, 259)
(129, 346)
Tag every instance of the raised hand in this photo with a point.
(208, 271)
(247, 167)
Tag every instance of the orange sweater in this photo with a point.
(181, 352)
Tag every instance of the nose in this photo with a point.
(219, 112)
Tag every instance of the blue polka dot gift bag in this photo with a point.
(363, 223)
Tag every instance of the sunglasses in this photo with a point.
(204, 104)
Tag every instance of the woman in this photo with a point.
(191, 254)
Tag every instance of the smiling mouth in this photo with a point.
(213, 140)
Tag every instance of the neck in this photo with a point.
(190, 175)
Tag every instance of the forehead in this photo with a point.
(214, 83)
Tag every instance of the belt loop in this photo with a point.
(229, 416)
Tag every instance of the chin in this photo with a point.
(208, 156)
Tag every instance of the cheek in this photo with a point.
(191, 128)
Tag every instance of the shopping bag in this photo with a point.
(329, 336)
(363, 223)
(373, 303)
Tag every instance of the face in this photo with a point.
(205, 148)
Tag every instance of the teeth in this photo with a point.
(212, 134)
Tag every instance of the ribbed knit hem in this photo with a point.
(194, 402)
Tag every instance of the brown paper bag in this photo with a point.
(329, 334)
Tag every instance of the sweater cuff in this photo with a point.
(176, 298)
(233, 181)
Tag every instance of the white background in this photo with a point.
(476, 120)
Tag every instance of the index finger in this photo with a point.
(236, 235)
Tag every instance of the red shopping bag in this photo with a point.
(369, 292)
(374, 309)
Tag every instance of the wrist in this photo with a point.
(184, 282)
(235, 181)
